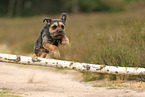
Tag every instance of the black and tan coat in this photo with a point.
(51, 36)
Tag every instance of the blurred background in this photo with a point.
(24, 8)
(110, 32)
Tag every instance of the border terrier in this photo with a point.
(52, 35)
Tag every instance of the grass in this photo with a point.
(6, 95)
(133, 85)
(111, 39)
(103, 38)
(6, 92)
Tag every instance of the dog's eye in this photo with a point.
(54, 27)
(62, 26)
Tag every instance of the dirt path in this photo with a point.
(36, 81)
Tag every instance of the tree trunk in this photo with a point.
(11, 8)
(72, 65)
(19, 8)
(75, 7)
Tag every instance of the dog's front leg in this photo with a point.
(65, 40)
(53, 48)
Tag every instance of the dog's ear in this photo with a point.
(48, 20)
(63, 17)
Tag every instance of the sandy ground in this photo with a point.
(30, 81)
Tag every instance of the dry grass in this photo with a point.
(111, 39)
(133, 85)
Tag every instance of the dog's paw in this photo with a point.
(57, 55)
(35, 59)
(65, 41)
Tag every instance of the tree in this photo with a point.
(11, 8)
(19, 8)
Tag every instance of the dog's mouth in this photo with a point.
(58, 36)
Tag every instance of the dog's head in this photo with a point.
(57, 26)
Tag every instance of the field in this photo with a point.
(103, 38)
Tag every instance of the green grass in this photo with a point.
(133, 85)
(6, 92)
(103, 85)
(111, 39)
(6, 95)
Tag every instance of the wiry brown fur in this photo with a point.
(51, 36)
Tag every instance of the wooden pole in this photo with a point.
(72, 65)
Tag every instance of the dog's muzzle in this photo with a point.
(59, 34)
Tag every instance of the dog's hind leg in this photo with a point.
(44, 55)
(34, 55)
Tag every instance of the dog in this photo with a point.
(52, 35)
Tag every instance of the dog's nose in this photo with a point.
(59, 31)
